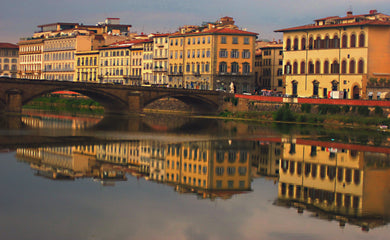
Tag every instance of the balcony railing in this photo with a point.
(160, 69)
(175, 74)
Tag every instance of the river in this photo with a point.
(179, 177)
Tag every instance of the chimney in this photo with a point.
(373, 11)
(349, 13)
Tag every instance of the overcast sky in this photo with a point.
(19, 18)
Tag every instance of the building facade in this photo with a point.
(31, 59)
(336, 54)
(160, 59)
(272, 67)
(9, 59)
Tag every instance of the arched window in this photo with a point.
(311, 44)
(344, 67)
(303, 66)
(327, 42)
(362, 39)
(318, 43)
(295, 68)
(246, 68)
(352, 66)
(361, 66)
(223, 67)
(326, 67)
(287, 68)
(318, 67)
(353, 40)
(334, 68)
(303, 43)
(295, 43)
(335, 43)
(311, 67)
(234, 67)
(344, 41)
(288, 44)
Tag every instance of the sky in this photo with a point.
(20, 18)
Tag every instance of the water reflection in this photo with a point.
(342, 184)
(336, 181)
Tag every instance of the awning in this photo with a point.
(385, 95)
(370, 94)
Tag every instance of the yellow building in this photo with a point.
(160, 59)
(87, 66)
(147, 62)
(114, 63)
(336, 54)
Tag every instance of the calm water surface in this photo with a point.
(172, 177)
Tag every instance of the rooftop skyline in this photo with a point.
(20, 18)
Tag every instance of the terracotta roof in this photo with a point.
(9, 45)
(313, 26)
(326, 18)
(61, 23)
(125, 44)
(228, 31)
(160, 34)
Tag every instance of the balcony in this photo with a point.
(234, 74)
(197, 74)
(175, 74)
(160, 57)
(160, 69)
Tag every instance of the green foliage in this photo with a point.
(306, 108)
(325, 109)
(373, 81)
(284, 113)
(378, 111)
(345, 108)
(363, 110)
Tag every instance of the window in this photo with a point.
(353, 41)
(223, 53)
(295, 43)
(318, 67)
(344, 67)
(220, 156)
(235, 40)
(311, 67)
(235, 53)
(246, 40)
(295, 68)
(223, 67)
(361, 40)
(360, 66)
(246, 54)
(230, 184)
(303, 43)
(303, 65)
(232, 157)
(246, 68)
(288, 44)
(223, 40)
(235, 67)
(352, 66)
(219, 171)
(231, 171)
(326, 67)
(334, 68)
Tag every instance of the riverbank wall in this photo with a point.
(248, 103)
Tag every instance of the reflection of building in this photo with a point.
(265, 157)
(344, 184)
(216, 169)
(42, 120)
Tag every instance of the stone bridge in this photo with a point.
(122, 99)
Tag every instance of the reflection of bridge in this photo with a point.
(14, 93)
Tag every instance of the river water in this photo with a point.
(178, 177)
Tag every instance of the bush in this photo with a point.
(284, 113)
(306, 108)
(363, 110)
(378, 111)
(345, 109)
(325, 108)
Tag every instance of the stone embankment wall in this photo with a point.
(245, 105)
